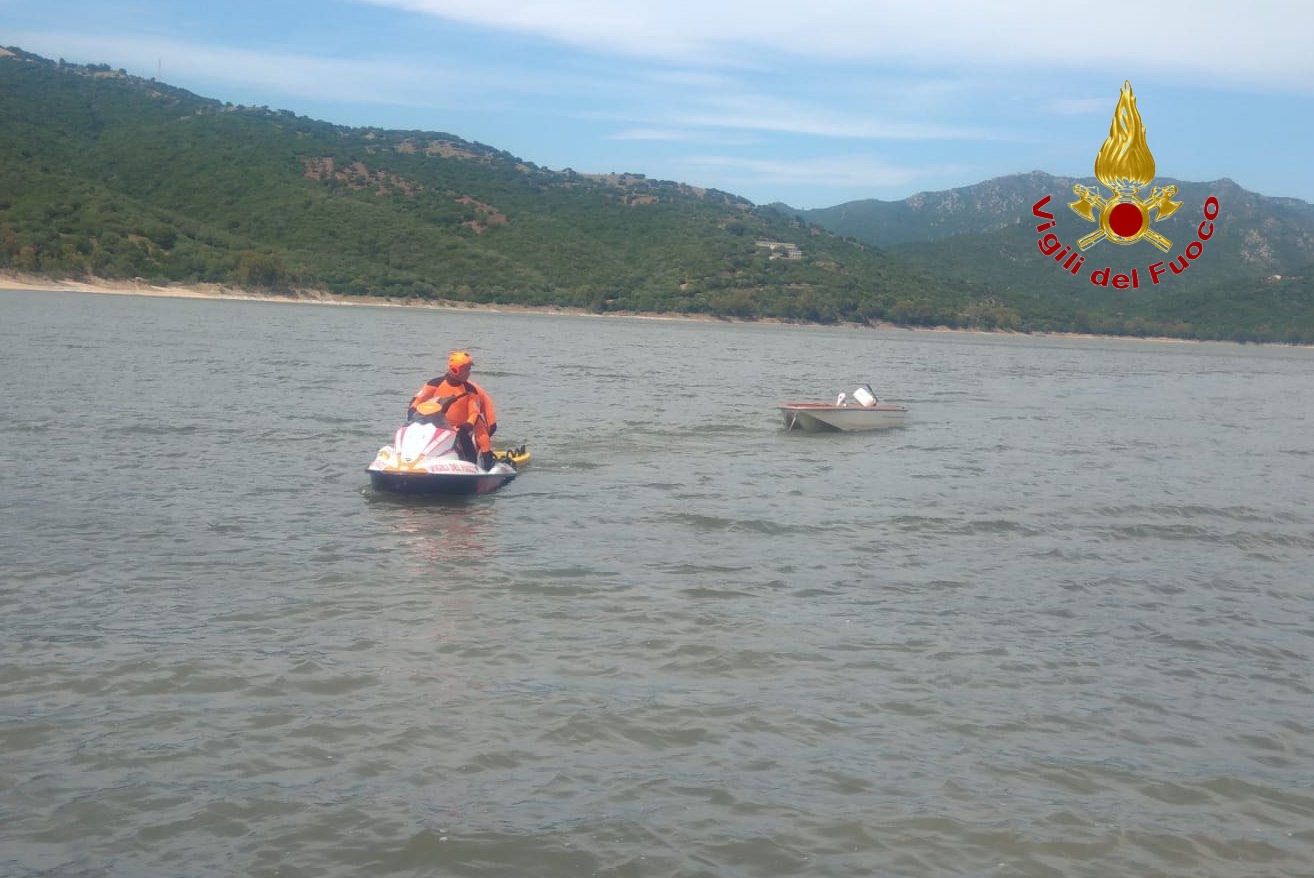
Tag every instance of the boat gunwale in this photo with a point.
(826, 406)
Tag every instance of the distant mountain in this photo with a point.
(1254, 278)
(1276, 230)
(108, 175)
(934, 216)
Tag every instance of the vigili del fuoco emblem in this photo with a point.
(1126, 165)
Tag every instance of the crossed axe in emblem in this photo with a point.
(1160, 199)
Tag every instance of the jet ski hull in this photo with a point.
(438, 484)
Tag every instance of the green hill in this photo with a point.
(112, 176)
(109, 175)
(1254, 280)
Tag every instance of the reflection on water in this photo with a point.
(440, 530)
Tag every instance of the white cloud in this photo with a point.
(664, 134)
(662, 104)
(1261, 41)
(1081, 107)
(860, 126)
(673, 135)
(733, 108)
(180, 61)
(384, 80)
(834, 171)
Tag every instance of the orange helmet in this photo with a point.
(459, 359)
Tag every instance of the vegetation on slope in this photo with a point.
(111, 176)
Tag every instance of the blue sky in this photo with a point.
(812, 103)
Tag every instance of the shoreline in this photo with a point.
(35, 283)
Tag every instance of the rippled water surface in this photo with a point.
(1061, 624)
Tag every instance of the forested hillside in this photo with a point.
(1253, 281)
(112, 176)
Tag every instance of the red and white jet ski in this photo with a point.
(423, 459)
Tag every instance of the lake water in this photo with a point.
(1061, 624)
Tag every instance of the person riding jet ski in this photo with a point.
(464, 405)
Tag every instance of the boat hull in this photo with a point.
(438, 484)
(816, 417)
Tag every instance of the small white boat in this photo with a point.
(863, 412)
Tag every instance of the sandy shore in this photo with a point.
(10, 281)
(317, 297)
(201, 291)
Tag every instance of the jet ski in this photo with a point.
(423, 459)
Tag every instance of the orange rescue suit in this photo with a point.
(463, 403)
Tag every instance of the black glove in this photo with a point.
(492, 429)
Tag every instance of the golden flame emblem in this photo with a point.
(1126, 165)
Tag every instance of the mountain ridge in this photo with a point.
(1010, 203)
(1258, 284)
(107, 175)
